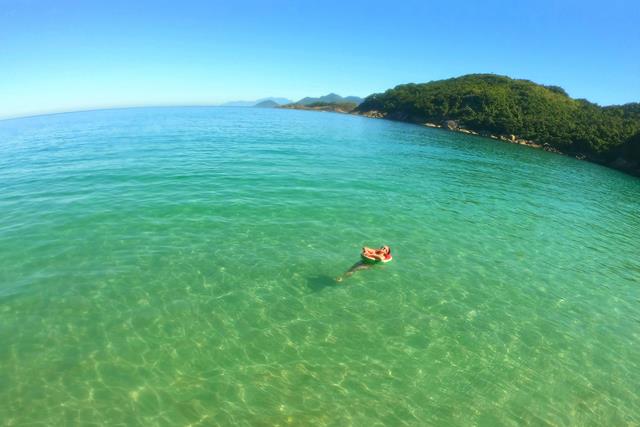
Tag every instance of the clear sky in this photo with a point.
(60, 55)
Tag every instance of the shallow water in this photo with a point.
(177, 266)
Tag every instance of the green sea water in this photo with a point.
(177, 266)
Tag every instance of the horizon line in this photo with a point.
(129, 107)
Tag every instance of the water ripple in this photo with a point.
(177, 266)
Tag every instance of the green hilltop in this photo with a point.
(492, 104)
(267, 104)
(331, 98)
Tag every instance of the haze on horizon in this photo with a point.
(73, 55)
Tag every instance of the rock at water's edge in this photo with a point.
(450, 124)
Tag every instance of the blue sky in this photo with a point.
(70, 55)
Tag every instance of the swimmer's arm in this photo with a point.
(375, 256)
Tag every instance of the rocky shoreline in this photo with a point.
(453, 126)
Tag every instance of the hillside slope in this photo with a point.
(331, 98)
(267, 104)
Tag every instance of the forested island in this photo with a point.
(518, 111)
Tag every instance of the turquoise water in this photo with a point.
(177, 266)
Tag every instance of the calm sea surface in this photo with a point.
(177, 266)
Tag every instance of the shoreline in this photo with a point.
(453, 126)
(323, 108)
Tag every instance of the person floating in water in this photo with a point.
(382, 254)
(370, 257)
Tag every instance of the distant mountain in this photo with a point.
(332, 98)
(267, 104)
(279, 101)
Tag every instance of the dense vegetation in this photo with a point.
(501, 105)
